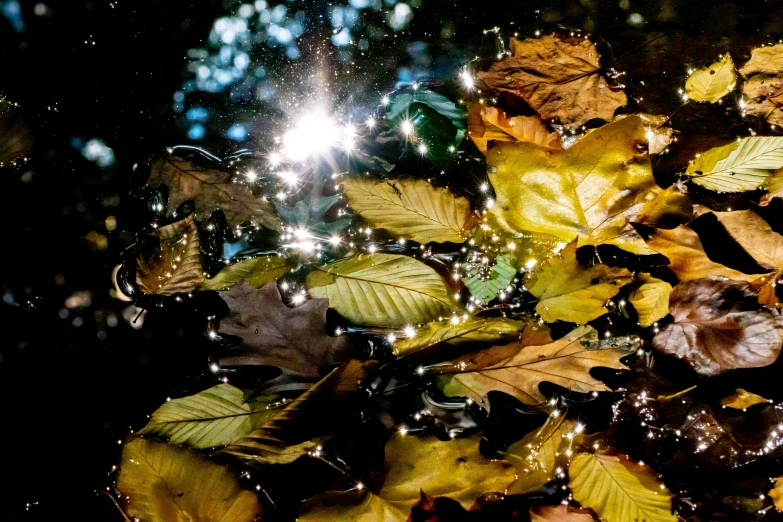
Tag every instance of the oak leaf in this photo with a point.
(718, 327)
(558, 76)
(711, 83)
(486, 123)
(739, 166)
(742, 399)
(762, 91)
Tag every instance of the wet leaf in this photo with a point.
(159, 482)
(16, 138)
(412, 209)
(592, 190)
(211, 189)
(651, 299)
(453, 469)
(755, 236)
(566, 362)
(567, 291)
(739, 166)
(658, 136)
(558, 76)
(774, 188)
(174, 265)
(560, 513)
(670, 208)
(273, 334)
(762, 90)
(486, 288)
(717, 327)
(256, 271)
(487, 123)
(742, 399)
(711, 83)
(310, 212)
(214, 417)
(400, 107)
(618, 489)
(776, 493)
(382, 290)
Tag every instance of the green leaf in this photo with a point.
(382, 290)
(711, 83)
(257, 271)
(456, 114)
(738, 167)
(496, 329)
(487, 288)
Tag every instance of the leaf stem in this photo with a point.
(678, 394)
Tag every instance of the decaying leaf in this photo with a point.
(293, 339)
(742, 399)
(718, 327)
(453, 469)
(558, 76)
(711, 83)
(670, 208)
(658, 136)
(739, 166)
(619, 490)
(211, 189)
(159, 482)
(560, 513)
(762, 91)
(174, 265)
(487, 123)
(412, 209)
(592, 190)
(16, 138)
(256, 271)
(651, 299)
(566, 362)
(486, 287)
(569, 292)
(382, 290)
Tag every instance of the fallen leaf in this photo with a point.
(651, 299)
(16, 138)
(453, 469)
(711, 83)
(776, 493)
(716, 327)
(487, 286)
(293, 339)
(560, 513)
(210, 189)
(159, 482)
(174, 265)
(755, 236)
(742, 399)
(739, 166)
(658, 136)
(566, 362)
(310, 212)
(256, 271)
(382, 290)
(412, 209)
(762, 90)
(774, 188)
(670, 208)
(591, 190)
(619, 490)
(567, 291)
(558, 76)
(487, 123)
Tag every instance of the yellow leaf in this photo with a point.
(762, 90)
(739, 166)
(619, 490)
(591, 190)
(742, 399)
(490, 124)
(670, 208)
(651, 299)
(776, 493)
(560, 513)
(774, 188)
(472, 330)
(569, 292)
(257, 271)
(412, 209)
(658, 136)
(162, 483)
(711, 83)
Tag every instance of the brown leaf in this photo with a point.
(293, 339)
(560, 513)
(211, 189)
(717, 327)
(742, 399)
(174, 266)
(763, 87)
(16, 138)
(487, 123)
(755, 236)
(558, 76)
(658, 136)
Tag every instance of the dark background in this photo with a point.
(74, 380)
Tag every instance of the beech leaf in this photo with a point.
(487, 123)
(558, 76)
(762, 90)
(742, 399)
(711, 83)
(256, 271)
(739, 166)
(487, 287)
(717, 328)
(651, 299)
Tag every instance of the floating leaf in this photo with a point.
(273, 334)
(739, 166)
(774, 188)
(776, 493)
(453, 469)
(382, 290)
(413, 209)
(256, 271)
(742, 399)
(651, 299)
(558, 76)
(711, 83)
(658, 136)
(502, 273)
(591, 190)
(670, 208)
(471, 330)
(174, 265)
(762, 89)
(163, 483)
(560, 513)
(310, 212)
(716, 328)
(619, 490)
(755, 236)
(569, 292)
(400, 107)
(487, 123)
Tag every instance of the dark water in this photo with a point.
(75, 374)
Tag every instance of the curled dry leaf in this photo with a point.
(174, 265)
(711, 83)
(487, 124)
(762, 91)
(742, 399)
(658, 136)
(740, 166)
(591, 191)
(717, 327)
(558, 76)
(651, 299)
(16, 138)
(257, 271)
